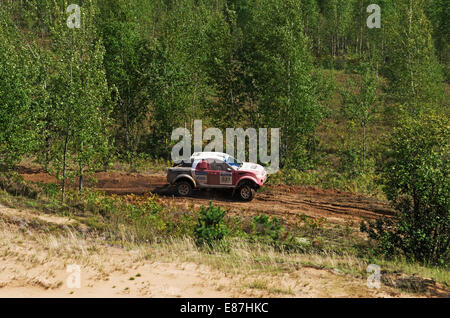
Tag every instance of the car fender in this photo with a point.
(249, 178)
(182, 176)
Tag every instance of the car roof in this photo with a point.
(210, 155)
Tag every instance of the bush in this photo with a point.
(211, 226)
(14, 184)
(269, 231)
(269, 228)
(416, 181)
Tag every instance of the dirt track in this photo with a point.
(286, 202)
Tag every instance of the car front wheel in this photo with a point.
(247, 192)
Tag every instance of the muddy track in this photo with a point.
(289, 203)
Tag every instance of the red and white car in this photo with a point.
(217, 170)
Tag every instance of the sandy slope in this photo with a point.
(33, 263)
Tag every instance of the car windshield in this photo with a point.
(234, 162)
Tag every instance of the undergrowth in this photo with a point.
(124, 220)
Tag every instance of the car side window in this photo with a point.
(222, 166)
(227, 167)
(212, 164)
(217, 165)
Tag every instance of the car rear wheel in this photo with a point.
(247, 192)
(184, 188)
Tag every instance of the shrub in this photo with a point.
(211, 225)
(416, 181)
(269, 228)
(14, 184)
(269, 231)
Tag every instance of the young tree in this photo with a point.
(416, 176)
(311, 20)
(17, 108)
(278, 76)
(360, 104)
(439, 14)
(168, 88)
(79, 95)
(339, 14)
(225, 69)
(412, 68)
(181, 68)
(119, 26)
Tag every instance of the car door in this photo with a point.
(200, 172)
(226, 175)
(213, 172)
(220, 174)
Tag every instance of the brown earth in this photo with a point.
(288, 203)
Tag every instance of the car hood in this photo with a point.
(253, 167)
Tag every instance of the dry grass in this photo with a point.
(38, 260)
(245, 257)
(38, 256)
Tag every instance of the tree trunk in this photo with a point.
(364, 148)
(47, 153)
(64, 168)
(80, 180)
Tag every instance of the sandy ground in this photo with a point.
(34, 263)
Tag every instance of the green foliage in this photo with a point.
(328, 178)
(77, 120)
(17, 79)
(412, 67)
(267, 227)
(359, 108)
(417, 182)
(279, 69)
(137, 70)
(211, 227)
(165, 64)
(119, 23)
(439, 15)
(268, 230)
(14, 184)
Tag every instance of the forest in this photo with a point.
(359, 109)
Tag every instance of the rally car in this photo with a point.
(217, 170)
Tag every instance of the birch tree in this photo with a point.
(79, 96)
(412, 67)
